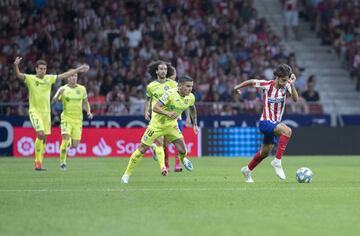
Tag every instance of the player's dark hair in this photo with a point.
(283, 70)
(170, 70)
(153, 66)
(40, 62)
(184, 78)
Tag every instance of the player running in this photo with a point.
(154, 91)
(39, 86)
(73, 97)
(164, 123)
(274, 96)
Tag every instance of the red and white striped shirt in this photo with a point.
(273, 99)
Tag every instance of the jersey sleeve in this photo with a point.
(84, 93)
(28, 79)
(262, 84)
(192, 100)
(149, 91)
(52, 78)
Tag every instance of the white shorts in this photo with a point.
(291, 18)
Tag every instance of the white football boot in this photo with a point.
(187, 164)
(247, 174)
(125, 179)
(276, 163)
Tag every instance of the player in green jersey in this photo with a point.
(154, 91)
(164, 123)
(73, 97)
(39, 86)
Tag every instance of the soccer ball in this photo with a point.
(304, 175)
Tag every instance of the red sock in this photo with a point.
(177, 160)
(283, 141)
(166, 157)
(255, 161)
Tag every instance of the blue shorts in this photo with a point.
(180, 125)
(267, 128)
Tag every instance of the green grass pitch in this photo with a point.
(88, 199)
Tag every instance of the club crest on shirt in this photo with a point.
(78, 92)
(166, 87)
(186, 101)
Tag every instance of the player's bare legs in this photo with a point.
(40, 144)
(180, 145)
(284, 133)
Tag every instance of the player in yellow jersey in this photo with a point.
(73, 97)
(39, 86)
(164, 123)
(154, 91)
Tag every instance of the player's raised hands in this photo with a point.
(90, 115)
(292, 79)
(17, 60)
(84, 68)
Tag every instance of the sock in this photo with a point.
(283, 141)
(177, 161)
(166, 157)
(255, 161)
(182, 156)
(159, 151)
(63, 150)
(43, 147)
(38, 148)
(134, 159)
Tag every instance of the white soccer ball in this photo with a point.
(304, 175)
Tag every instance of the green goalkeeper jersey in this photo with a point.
(172, 101)
(72, 100)
(39, 92)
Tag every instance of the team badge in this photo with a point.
(78, 92)
(166, 88)
(186, 101)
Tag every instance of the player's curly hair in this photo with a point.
(153, 66)
(283, 70)
(170, 70)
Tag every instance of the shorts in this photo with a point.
(41, 121)
(267, 128)
(171, 133)
(73, 128)
(291, 18)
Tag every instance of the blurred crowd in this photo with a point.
(338, 24)
(218, 43)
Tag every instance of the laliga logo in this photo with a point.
(26, 146)
(102, 149)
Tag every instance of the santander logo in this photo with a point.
(26, 146)
(102, 149)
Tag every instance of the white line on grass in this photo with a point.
(181, 189)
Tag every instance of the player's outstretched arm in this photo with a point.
(17, 70)
(147, 112)
(246, 83)
(58, 94)
(187, 117)
(88, 109)
(294, 93)
(158, 108)
(193, 115)
(67, 74)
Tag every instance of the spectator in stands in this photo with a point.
(291, 17)
(310, 94)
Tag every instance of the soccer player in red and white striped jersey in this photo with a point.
(274, 94)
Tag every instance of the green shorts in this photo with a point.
(171, 133)
(41, 121)
(73, 128)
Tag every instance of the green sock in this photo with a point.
(159, 151)
(182, 156)
(63, 150)
(134, 159)
(38, 149)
